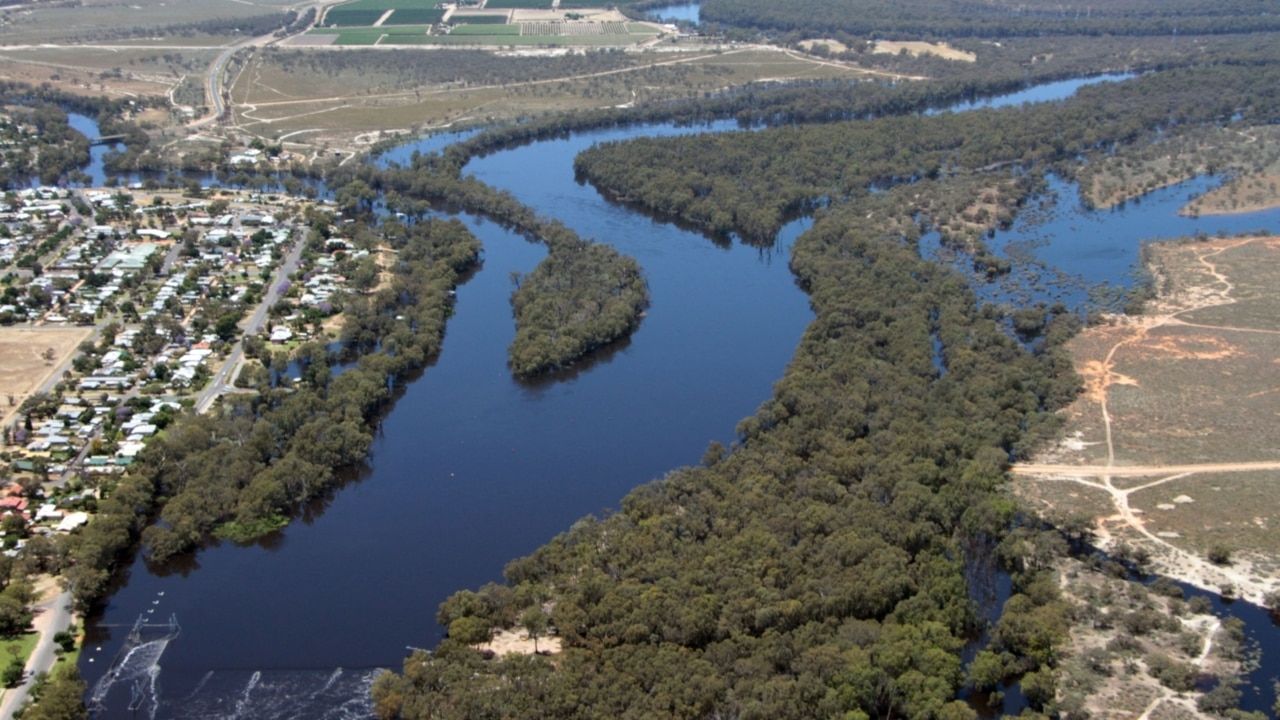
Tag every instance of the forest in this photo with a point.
(903, 19)
(818, 567)
(823, 564)
(581, 297)
(753, 182)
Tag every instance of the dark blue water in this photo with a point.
(89, 128)
(470, 470)
(1063, 251)
(473, 468)
(1045, 92)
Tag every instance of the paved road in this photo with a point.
(219, 384)
(213, 79)
(53, 616)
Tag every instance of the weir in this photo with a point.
(137, 662)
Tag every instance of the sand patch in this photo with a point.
(834, 46)
(508, 642)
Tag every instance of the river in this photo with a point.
(471, 469)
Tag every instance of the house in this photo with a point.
(72, 521)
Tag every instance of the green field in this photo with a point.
(384, 5)
(371, 35)
(479, 19)
(490, 39)
(415, 16)
(486, 30)
(517, 4)
(349, 18)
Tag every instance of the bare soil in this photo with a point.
(1175, 433)
(516, 641)
(916, 49)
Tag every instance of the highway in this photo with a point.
(213, 79)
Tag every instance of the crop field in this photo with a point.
(414, 16)
(486, 30)
(517, 4)
(54, 22)
(382, 6)
(480, 19)
(551, 29)
(373, 35)
(343, 17)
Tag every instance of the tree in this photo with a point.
(14, 616)
(63, 697)
(535, 623)
(12, 674)
(469, 630)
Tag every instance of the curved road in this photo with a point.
(213, 79)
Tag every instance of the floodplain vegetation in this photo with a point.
(824, 564)
(714, 590)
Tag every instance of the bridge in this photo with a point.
(107, 139)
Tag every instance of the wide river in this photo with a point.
(473, 468)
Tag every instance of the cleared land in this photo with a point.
(916, 49)
(96, 20)
(295, 97)
(1174, 446)
(28, 356)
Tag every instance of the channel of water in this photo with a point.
(473, 468)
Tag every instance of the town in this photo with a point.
(126, 312)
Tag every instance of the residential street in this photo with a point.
(52, 616)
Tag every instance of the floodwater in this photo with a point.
(473, 468)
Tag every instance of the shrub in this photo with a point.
(1219, 554)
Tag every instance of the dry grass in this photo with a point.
(22, 365)
(55, 22)
(1243, 195)
(1193, 382)
(916, 49)
(274, 102)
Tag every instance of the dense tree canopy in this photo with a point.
(817, 569)
(999, 18)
